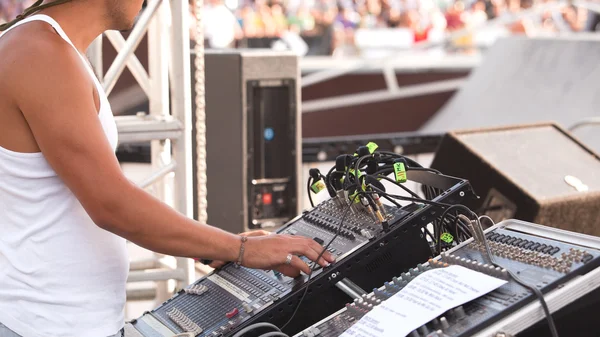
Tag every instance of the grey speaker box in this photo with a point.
(253, 135)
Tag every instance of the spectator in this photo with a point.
(221, 27)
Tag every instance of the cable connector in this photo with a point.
(400, 170)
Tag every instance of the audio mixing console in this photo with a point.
(540, 261)
(368, 253)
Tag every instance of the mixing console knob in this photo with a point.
(421, 267)
(444, 323)
(380, 294)
(391, 287)
(424, 330)
(460, 312)
(415, 333)
(351, 310)
(396, 281)
(247, 307)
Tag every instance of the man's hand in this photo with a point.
(271, 251)
(265, 250)
(219, 264)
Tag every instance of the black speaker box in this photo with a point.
(538, 173)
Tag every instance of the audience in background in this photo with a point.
(340, 19)
(330, 26)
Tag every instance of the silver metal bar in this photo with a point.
(154, 177)
(389, 75)
(157, 275)
(95, 55)
(115, 70)
(141, 137)
(350, 289)
(145, 128)
(593, 121)
(134, 65)
(382, 95)
(181, 109)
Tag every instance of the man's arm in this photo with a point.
(54, 92)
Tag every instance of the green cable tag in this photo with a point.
(318, 186)
(354, 173)
(447, 238)
(400, 172)
(353, 198)
(372, 147)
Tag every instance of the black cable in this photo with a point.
(443, 217)
(308, 191)
(391, 200)
(401, 197)
(315, 264)
(401, 186)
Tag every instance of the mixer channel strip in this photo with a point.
(214, 314)
(184, 322)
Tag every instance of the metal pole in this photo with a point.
(157, 175)
(134, 65)
(158, 97)
(181, 108)
(115, 70)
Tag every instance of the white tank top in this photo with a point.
(60, 274)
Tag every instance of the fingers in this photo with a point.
(311, 249)
(298, 264)
(288, 271)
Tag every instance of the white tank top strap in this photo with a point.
(61, 33)
(105, 113)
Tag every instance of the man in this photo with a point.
(63, 197)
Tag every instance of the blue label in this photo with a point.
(269, 134)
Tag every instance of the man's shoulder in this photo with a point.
(32, 48)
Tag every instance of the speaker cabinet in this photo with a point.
(538, 173)
(252, 138)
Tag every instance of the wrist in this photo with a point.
(232, 247)
(240, 259)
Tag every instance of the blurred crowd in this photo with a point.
(330, 26)
(228, 23)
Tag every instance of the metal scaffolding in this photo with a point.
(167, 125)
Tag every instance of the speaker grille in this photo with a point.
(378, 262)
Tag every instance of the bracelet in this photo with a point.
(242, 248)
